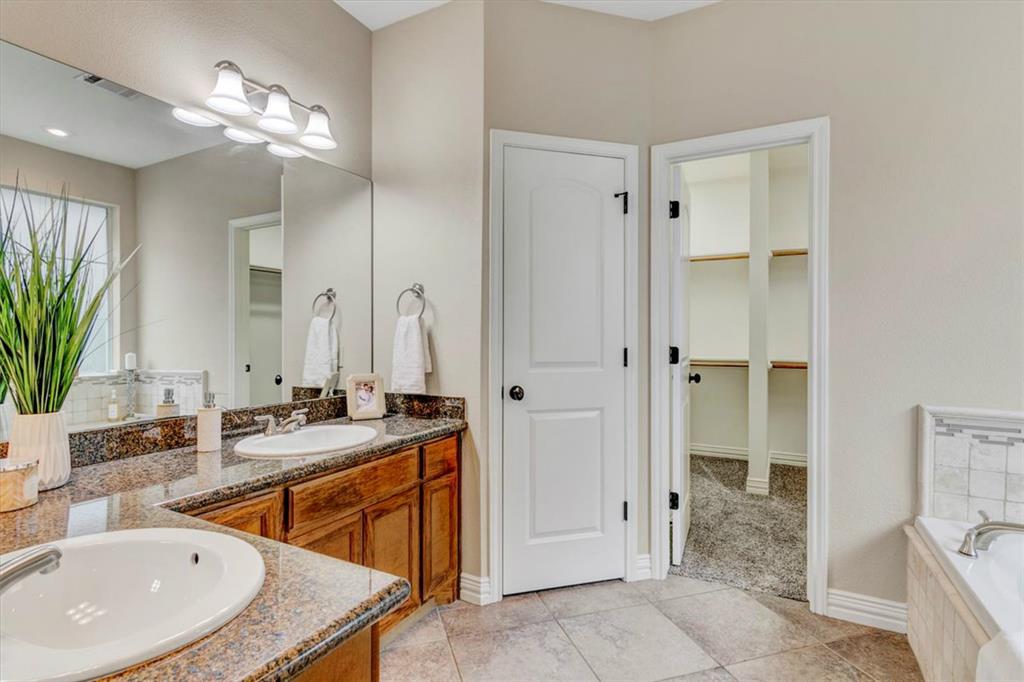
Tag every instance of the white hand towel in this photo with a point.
(410, 361)
(1001, 658)
(321, 352)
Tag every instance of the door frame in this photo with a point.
(815, 133)
(630, 154)
(248, 223)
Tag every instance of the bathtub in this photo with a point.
(957, 604)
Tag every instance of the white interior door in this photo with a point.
(679, 468)
(564, 449)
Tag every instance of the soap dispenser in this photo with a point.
(208, 425)
(168, 408)
(113, 408)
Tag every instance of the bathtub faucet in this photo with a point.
(982, 535)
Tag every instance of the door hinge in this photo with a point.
(625, 201)
(673, 500)
(625, 511)
(625, 357)
(673, 210)
(673, 355)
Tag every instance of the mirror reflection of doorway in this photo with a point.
(257, 259)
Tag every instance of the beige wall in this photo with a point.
(46, 170)
(926, 292)
(184, 205)
(167, 49)
(428, 201)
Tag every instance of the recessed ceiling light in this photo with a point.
(281, 150)
(192, 118)
(57, 132)
(241, 136)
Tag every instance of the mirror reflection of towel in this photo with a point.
(321, 352)
(410, 362)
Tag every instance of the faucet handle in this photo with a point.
(300, 415)
(271, 421)
(296, 413)
(984, 516)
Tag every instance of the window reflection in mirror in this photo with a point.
(235, 243)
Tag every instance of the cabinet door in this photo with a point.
(441, 538)
(391, 543)
(341, 539)
(263, 515)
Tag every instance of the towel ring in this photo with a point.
(330, 296)
(416, 290)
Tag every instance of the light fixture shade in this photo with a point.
(228, 96)
(282, 151)
(318, 130)
(192, 118)
(278, 116)
(241, 136)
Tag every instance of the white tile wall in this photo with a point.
(972, 461)
(86, 404)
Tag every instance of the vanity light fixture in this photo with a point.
(277, 118)
(228, 96)
(57, 132)
(318, 130)
(282, 151)
(192, 118)
(242, 136)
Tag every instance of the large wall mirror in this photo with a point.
(248, 263)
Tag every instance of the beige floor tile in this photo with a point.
(815, 663)
(540, 651)
(825, 629)
(427, 628)
(510, 612)
(713, 675)
(731, 626)
(673, 587)
(580, 599)
(429, 662)
(634, 643)
(882, 655)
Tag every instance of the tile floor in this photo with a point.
(677, 629)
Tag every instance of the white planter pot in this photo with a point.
(43, 438)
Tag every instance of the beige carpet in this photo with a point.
(754, 542)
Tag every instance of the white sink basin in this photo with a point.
(122, 598)
(309, 440)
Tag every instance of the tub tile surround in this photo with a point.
(969, 461)
(944, 635)
(308, 602)
(617, 631)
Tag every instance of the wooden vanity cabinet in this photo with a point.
(262, 515)
(341, 539)
(391, 537)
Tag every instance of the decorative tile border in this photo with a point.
(144, 437)
(969, 461)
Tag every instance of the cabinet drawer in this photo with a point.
(314, 502)
(440, 458)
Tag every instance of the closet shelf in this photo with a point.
(719, 256)
(778, 253)
(789, 364)
(717, 363)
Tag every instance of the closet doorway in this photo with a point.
(738, 401)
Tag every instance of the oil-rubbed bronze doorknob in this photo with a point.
(516, 393)
(695, 378)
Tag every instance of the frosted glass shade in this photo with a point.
(282, 151)
(241, 136)
(228, 96)
(318, 130)
(278, 116)
(192, 118)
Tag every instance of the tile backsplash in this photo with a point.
(86, 404)
(971, 461)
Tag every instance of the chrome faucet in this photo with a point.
(292, 423)
(982, 535)
(42, 560)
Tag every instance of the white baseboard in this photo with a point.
(475, 589)
(860, 608)
(643, 567)
(795, 459)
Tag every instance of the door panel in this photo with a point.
(679, 467)
(564, 307)
(391, 543)
(341, 539)
(441, 538)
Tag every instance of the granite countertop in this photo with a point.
(308, 603)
